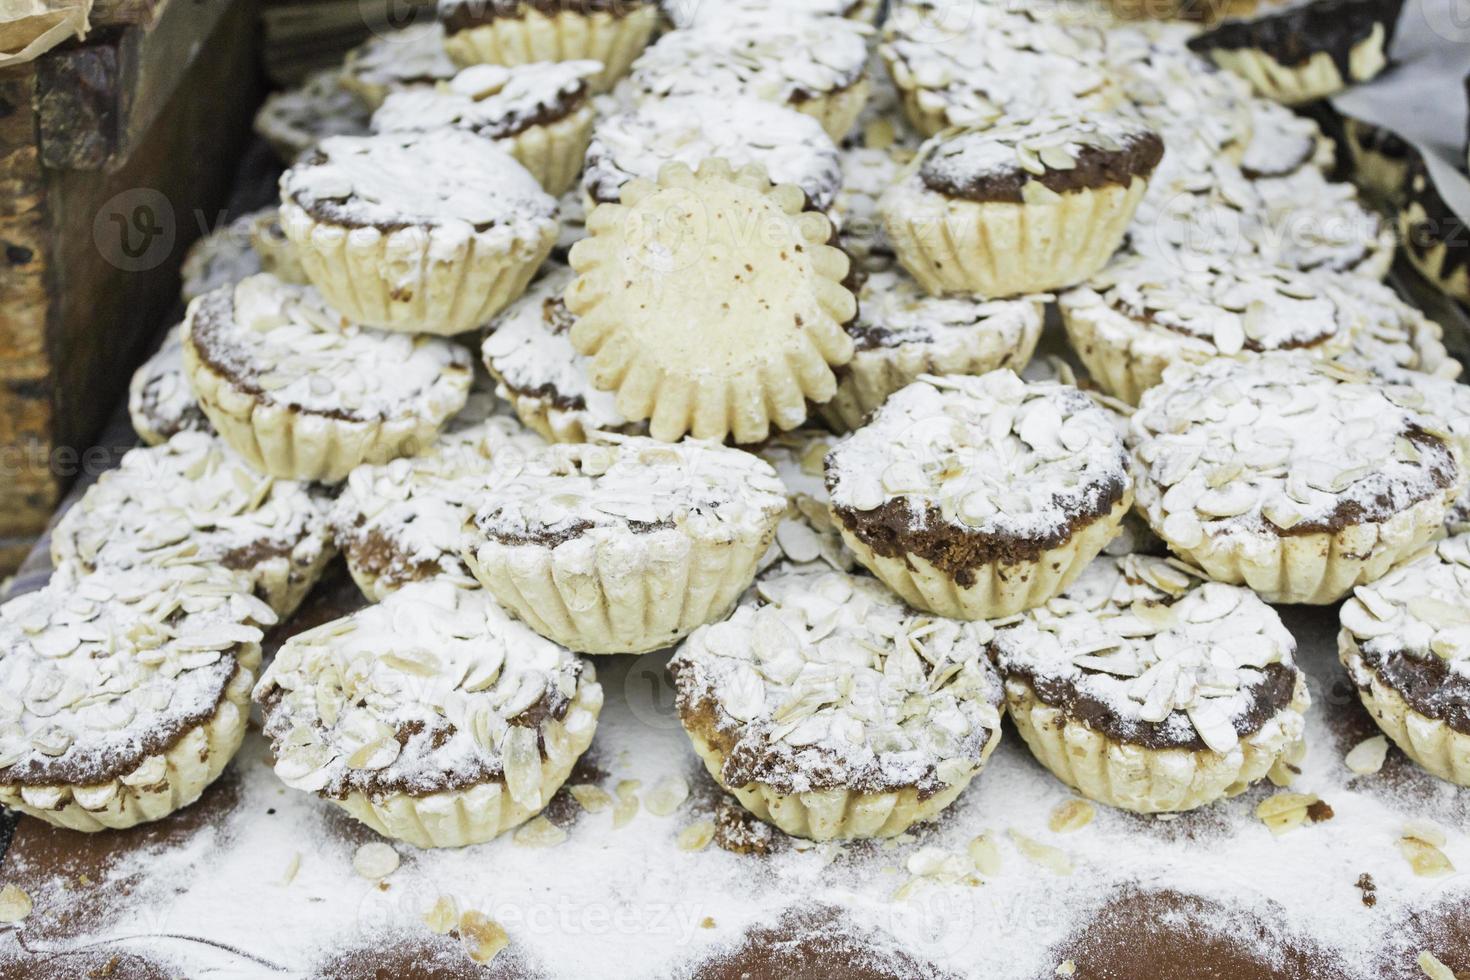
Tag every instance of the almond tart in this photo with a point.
(1019, 208)
(303, 394)
(528, 351)
(700, 325)
(901, 333)
(517, 32)
(989, 63)
(832, 710)
(683, 15)
(432, 717)
(1307, 49)
(1142, 314)
(978, 497)
(791, 146)
(403, 521)
(192, 500)
(295, 120)
(627, 545)
(540, 113)
(160, 402)
(1405, 642)
(430, 232)
(815, 65)
(1297, 477)
(393, 61)
(123, 694)
(1146, 687)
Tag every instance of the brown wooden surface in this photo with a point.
(89, 257)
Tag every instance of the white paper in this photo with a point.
(1422, 96)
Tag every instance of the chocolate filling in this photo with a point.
(558, 321)
(375, 553)
(1268, 695)
(544, 113)
(1426, 684)
(1292, 36)
(1096, 167)
(474, 13)
(90, 766)
(896, 529)
(1439, 228)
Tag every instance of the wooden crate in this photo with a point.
(115, 154)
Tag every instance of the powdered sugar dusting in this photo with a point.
(1420, 609)
(791, 146)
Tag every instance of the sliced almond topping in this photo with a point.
(1433, 967)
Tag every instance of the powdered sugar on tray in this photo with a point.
(626, 893)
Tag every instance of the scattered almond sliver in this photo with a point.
(15, 904)
(1053, 859)
(1070, 815)
(375, 860)
(482, 935)
(1284, 811)
(1425, 856)
(985, 854)
(1367, 756)
(696, 836)
(667, 795)
(442, 915)
(627, 805)
(539, 832)
(593, 799)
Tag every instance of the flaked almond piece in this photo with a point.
(1425, 830)
(1284, 812)
(539, 832)
(1434, 967)
(1070, 815)
(1066, 968)
(375, 860)
(15, 904)
(593, 799)
(667, 795)
(985, 854)
(442, 915)
(292, 866)
(696, 836)
(1367, 756)
(482, 936)
(1053, 859)
(1427, 860)
(627, 806)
